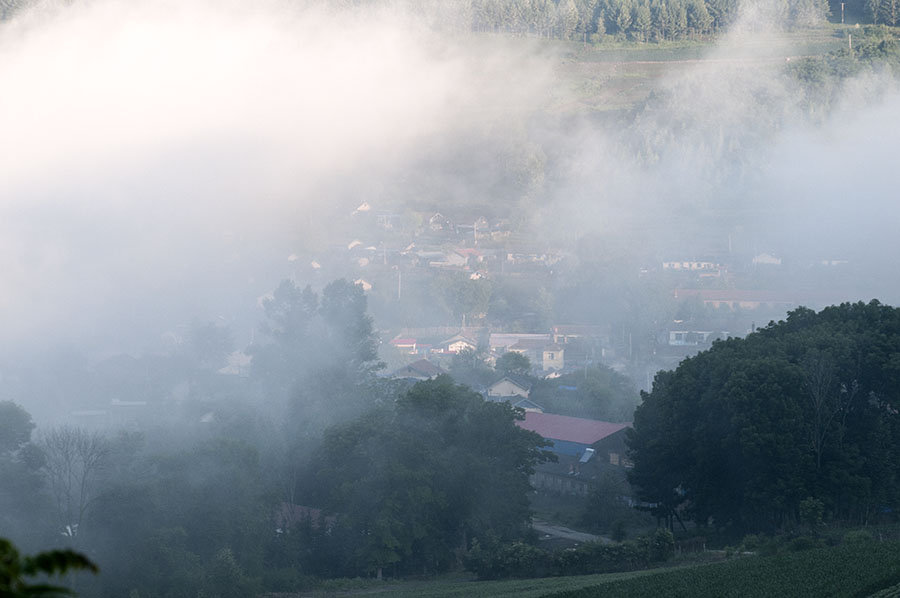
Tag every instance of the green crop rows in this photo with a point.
(891, 592)
(859, 570)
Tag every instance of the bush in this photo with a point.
(804, 543)
(662, 545)
(761, 544)
(858, 537)
(518, 559)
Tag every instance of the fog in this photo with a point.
(160, 160)
(229, 230)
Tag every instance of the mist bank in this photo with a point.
(163, 164)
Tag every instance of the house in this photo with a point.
(737, 299)
(419, 370)
(450, 259)
(552, 357)
(691, 266)
(456, 344)
(502, 342)
(564, 333)
(573, 435)
(527, 405)
(509, 386)
(406, 345)
(439, 222)
(766, 259)
(691, 338)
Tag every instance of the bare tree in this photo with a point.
(74, 461)
(828, 399)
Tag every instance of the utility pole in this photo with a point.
(850, 40)
(842, 13)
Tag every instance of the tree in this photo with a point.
(418, 479)
(210, 344)
(15, 427)
(741, 434)
(699, 19)
(22, 496)
(468, 367)
(598, 392)
(14, 569)
(73, 461)
(513, 362)
(642, 22)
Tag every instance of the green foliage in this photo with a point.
(643, 20)
(599, 392)
(513, 363)
(743, 433)
(662, 545)
(858, 537)
(462, 297)
(322, 355)
(415, 479)
(468, 367)
(15, 569)
(224, 578)
(15, 427)
(811, 511)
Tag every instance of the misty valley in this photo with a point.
(437, 298)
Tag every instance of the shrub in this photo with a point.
(662, 545)
(858, 537)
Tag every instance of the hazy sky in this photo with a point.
(159, 159)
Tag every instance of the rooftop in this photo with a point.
(570, 429)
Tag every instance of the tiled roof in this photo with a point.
(570, 429)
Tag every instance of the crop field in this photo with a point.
(866, 570)
(860, 570)
(891, 592)
(466, 587)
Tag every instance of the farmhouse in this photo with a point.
(574, 435)
(585, 448)
(419, 370)
(509, 386)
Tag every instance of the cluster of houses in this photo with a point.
(561, 349)
(585, 448)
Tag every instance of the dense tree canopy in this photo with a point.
(742, 433)
(418, 479)
(597, 392)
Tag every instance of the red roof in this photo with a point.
(570, 429)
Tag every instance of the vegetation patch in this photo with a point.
(849, 570)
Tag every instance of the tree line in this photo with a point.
(310, 467)
(638, 20)
(803, 414)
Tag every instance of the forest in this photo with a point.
(800, 416)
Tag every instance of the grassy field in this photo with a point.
(465, 587)
(858, 570)
(861, 570)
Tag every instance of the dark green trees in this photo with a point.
(15, 569)
(741, 434)
(416, 480)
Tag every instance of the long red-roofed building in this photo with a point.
(572, 435)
